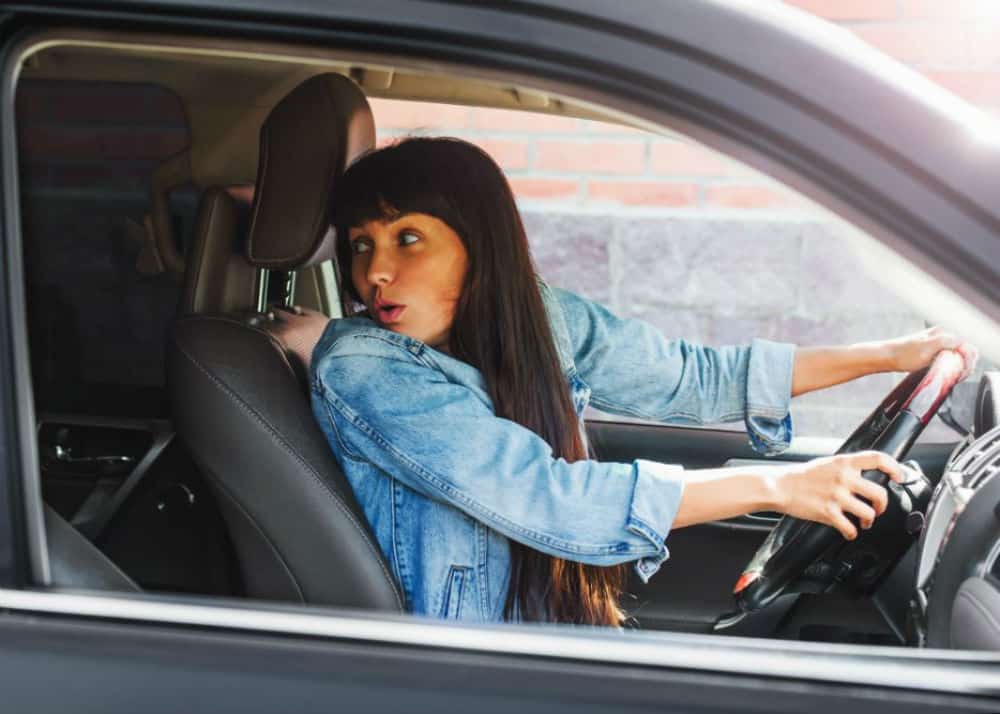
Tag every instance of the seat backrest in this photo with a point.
(236, 379)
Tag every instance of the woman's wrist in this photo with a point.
(875, 357)
(772, 496)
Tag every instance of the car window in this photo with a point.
(101, 302)
(663, 229)
(654, 226)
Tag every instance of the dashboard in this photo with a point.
(956, 600)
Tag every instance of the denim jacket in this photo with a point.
(444, 482)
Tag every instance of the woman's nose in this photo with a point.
(381, 268)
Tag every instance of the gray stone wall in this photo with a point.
(727, 280)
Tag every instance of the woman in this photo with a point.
(454, 402)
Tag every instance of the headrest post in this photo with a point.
(290, 288)
(263, 278)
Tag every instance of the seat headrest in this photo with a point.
(306, 142)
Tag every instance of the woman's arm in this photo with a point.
(823, 490)
(819, 367)
(634, 370)
(443, 440)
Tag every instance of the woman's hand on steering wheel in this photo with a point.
(829, 489)
(912, 352)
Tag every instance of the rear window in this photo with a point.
(98, 308)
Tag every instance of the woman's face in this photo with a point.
(409, 271)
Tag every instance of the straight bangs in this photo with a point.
(408, 177)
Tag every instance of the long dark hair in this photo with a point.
(500, 328)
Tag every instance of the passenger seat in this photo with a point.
(237, 374)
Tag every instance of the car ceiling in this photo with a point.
(227, 88)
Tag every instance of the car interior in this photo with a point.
(173, 303)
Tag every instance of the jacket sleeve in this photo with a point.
(443, 440)
(633, 370)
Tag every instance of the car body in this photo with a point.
(885, 150)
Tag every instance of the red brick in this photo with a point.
(88, 174)
(49, 140)
(950, 10)
(976, 87)
(509, 154)
(118, 103)
(399, 114)
(848, 9)
(76, 142)
(733, 196)
(609, 129)
(543, 188)
(113, 102)
(644, 193)
(922, 45)
(141, 144)
(983, 45)
(610, 157)
(679, 158)
(510, 120)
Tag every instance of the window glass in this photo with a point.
(100, 306)
(663, 229)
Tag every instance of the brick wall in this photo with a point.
(554, 161)
(701, 246)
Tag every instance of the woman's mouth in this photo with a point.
(388, 312)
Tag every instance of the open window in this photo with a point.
(638, 217)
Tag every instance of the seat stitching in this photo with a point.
(280, 441)
(274, 547)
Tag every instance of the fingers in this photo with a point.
(859, 497)
(860, 510)
(839, 521)
(874, 494)
(867, 460)
(947, 341)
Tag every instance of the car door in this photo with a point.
(90, 651)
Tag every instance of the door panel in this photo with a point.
(124, 667)
(693, 588)
(90, 465)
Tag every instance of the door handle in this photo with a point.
(64, 455)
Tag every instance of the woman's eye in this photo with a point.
(408, 238)
(359, 246)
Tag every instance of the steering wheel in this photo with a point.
(795, 544)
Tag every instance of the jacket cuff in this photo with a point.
(769, 395)
(655, 500)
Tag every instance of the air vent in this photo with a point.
(967, 471)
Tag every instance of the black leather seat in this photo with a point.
(75, 562)
(236, 377)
